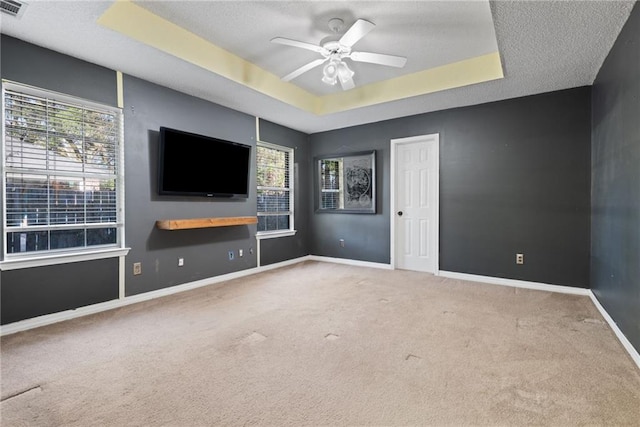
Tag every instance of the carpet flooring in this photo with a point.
(321, 344)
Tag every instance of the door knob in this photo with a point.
(399, 213)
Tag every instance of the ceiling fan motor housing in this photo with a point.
(335, 49)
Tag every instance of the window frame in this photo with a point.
(11, 261)
(344, 160)
(339, 191)
(278, 233)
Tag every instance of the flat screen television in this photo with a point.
(202, 166)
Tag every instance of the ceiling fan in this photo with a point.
(335, 48)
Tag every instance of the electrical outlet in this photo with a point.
(519, 258)
(180, 262)
(240, 253)
(342, 243)
(231, 256)
(137, 268)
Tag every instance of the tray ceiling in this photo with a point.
(458, 53)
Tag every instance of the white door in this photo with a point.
(415, 211)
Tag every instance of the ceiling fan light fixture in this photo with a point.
(330, 72)
(344, 72)
(330, 81)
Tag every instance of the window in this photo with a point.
(62, 181)
(346, 183)
(275, 190)
(331, 192)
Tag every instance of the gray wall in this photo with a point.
(366, 236)
(286, 248)
(26, 63)
(205, 251)
(514, 177)
(27, 293)
(615, 190)
(36, 291)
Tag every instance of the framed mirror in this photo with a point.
(346, 183)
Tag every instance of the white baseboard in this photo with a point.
(49, 319)
(350, 262)
(61, 316)
(623, 340)
(552, 288)
(515, 283)
(283, 263)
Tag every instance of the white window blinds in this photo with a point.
(61, 172)
(274, 187)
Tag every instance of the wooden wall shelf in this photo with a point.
(183, 224)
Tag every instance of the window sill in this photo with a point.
(275, 234)
(41, 261)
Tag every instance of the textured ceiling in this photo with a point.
(543, 46)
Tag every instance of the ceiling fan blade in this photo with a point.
(357, 31)
(292, 75)
(379, 58)
(296, 43)
(348, 84)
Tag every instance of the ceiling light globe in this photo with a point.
(330, 80)
(344, 72)
(330, 73)
(330, 70)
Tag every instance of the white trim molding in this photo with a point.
(353, 262)
(124, 301)
(635, 356)
(62, 258)
(283, 263)
(515, 283)
(48, 319)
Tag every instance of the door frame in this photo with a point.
(394, 143)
